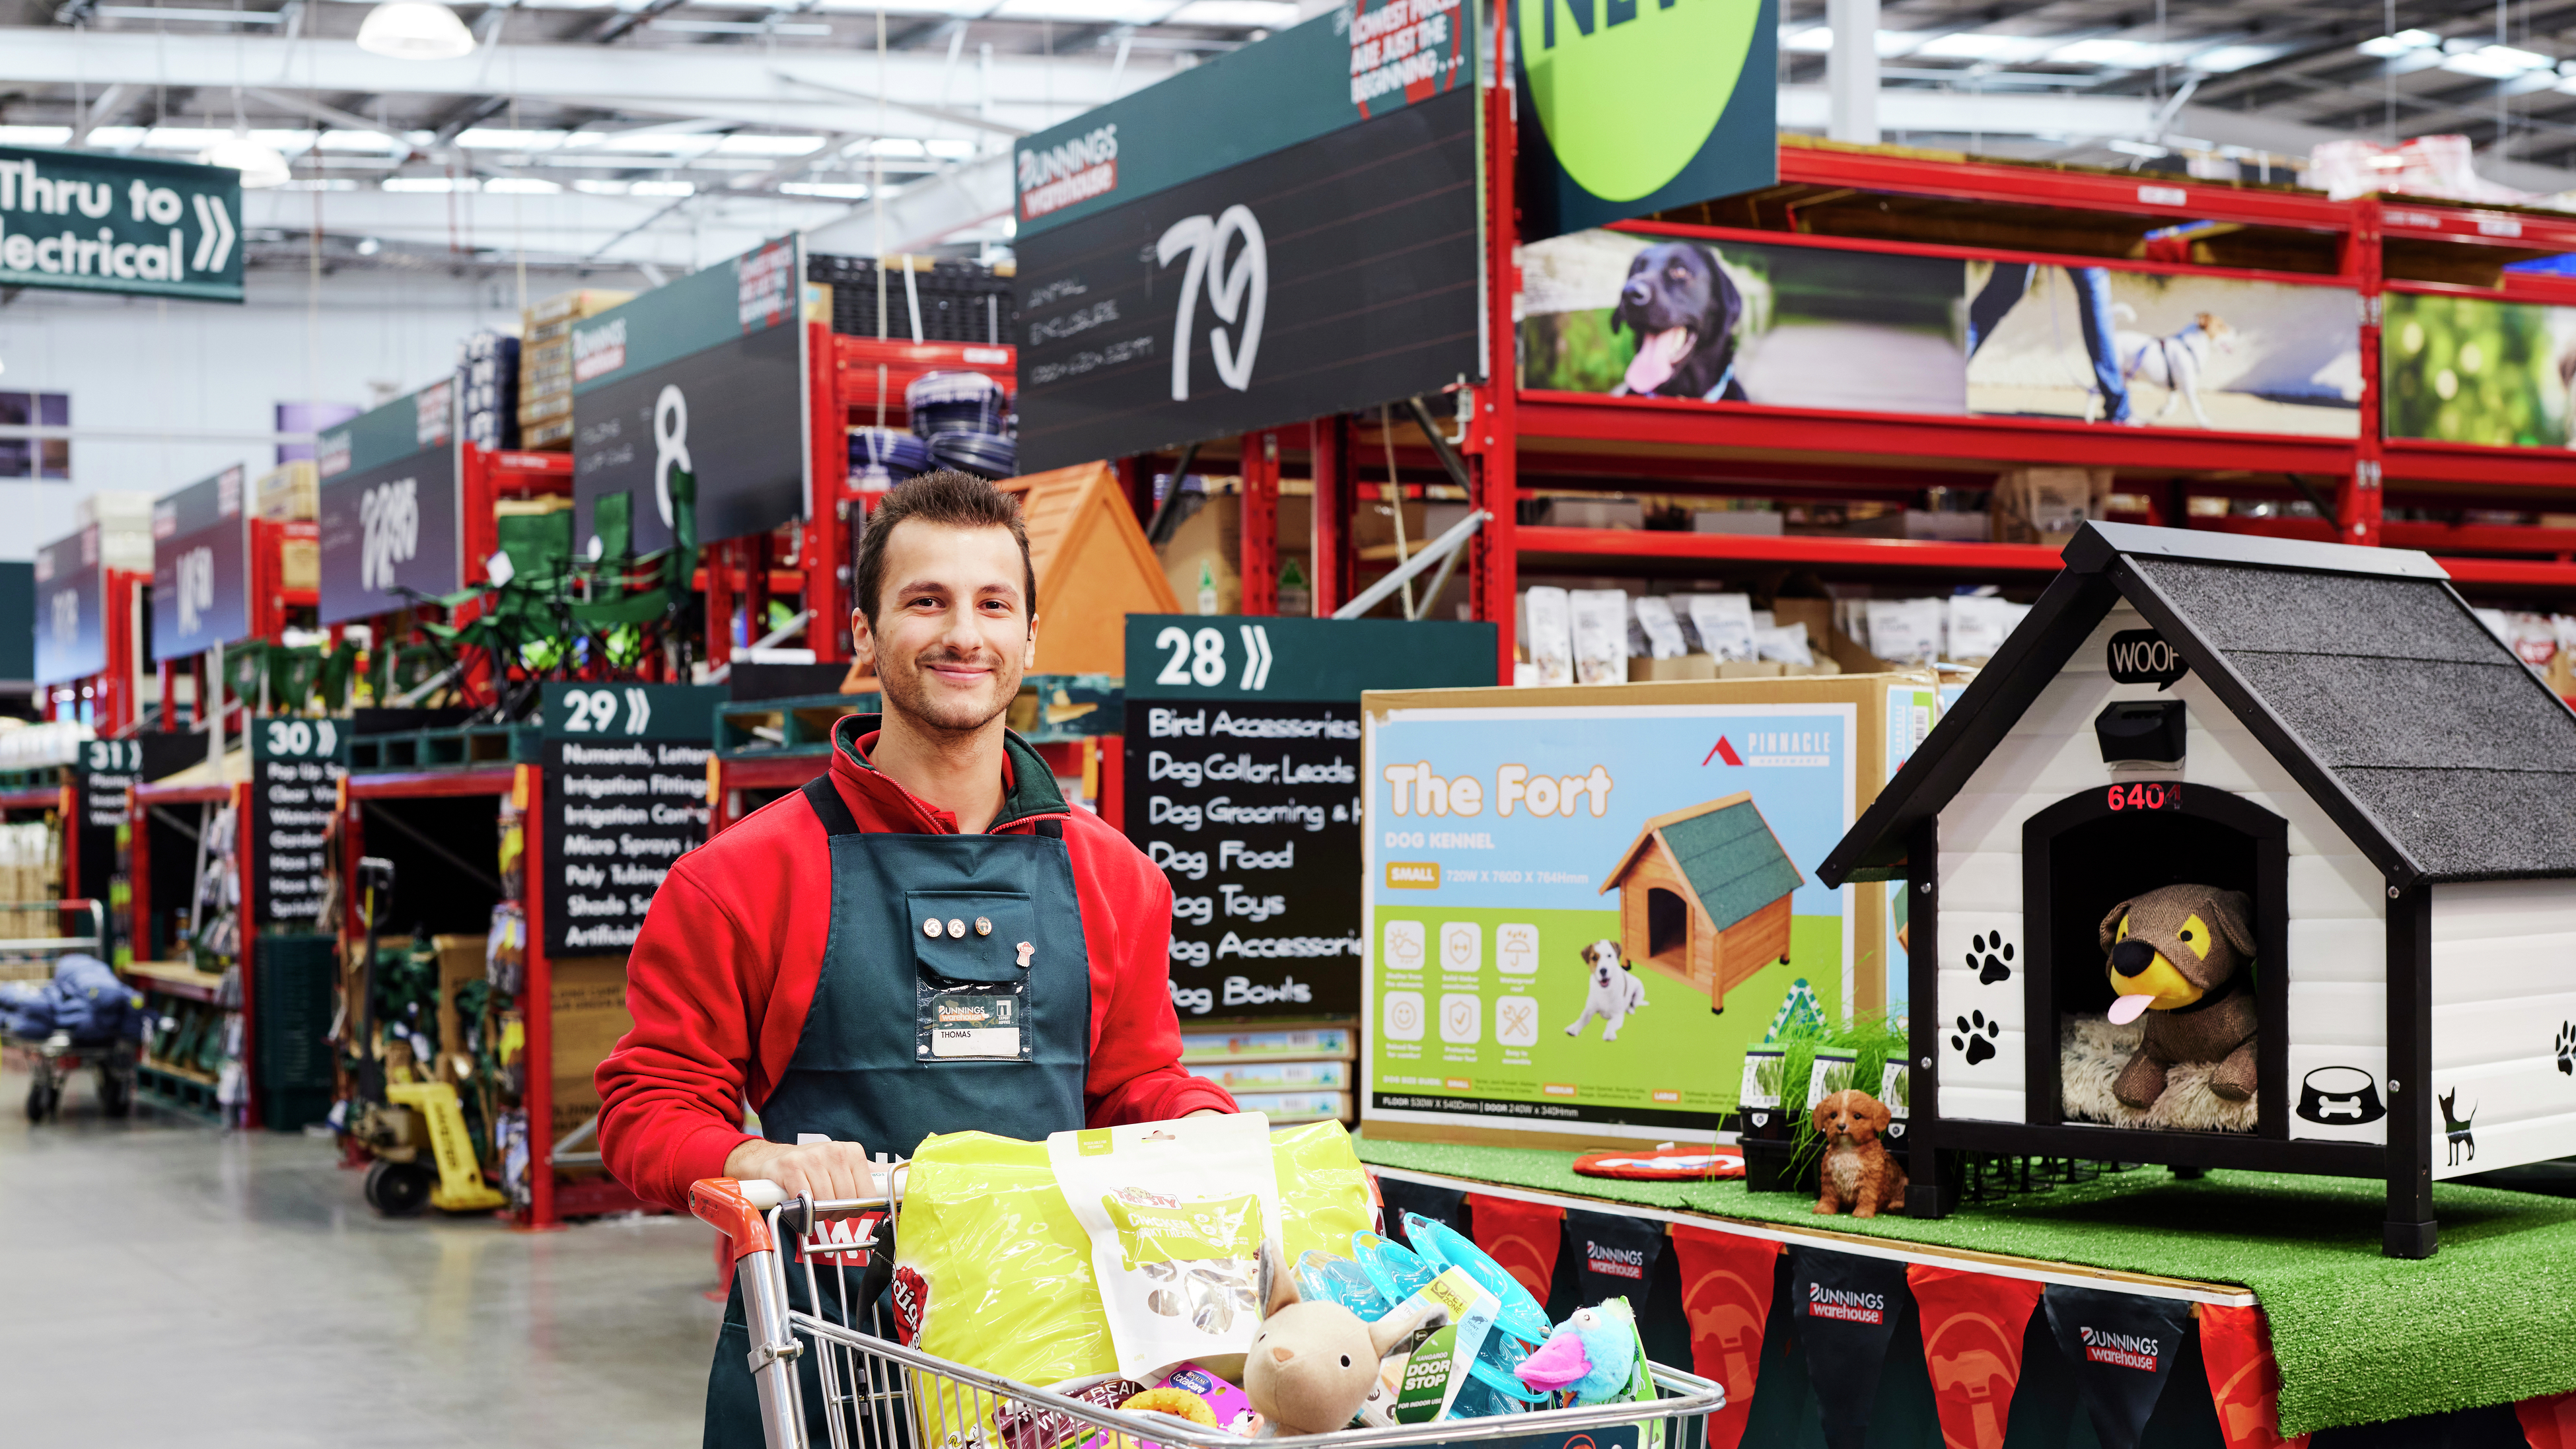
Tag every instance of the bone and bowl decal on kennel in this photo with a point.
(2381, 779)
(1560, 894)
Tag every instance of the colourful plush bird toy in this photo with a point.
(1593, 1353)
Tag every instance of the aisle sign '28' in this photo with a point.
(1200, 657)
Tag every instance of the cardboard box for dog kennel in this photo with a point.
(2327, 730)
(1583, 903)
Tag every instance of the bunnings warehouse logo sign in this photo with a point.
(99, 223)
(1602, 156)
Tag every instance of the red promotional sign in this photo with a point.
(1972, 1333)
(1522, 1236)
(2245, 1382)
(1726, 1297)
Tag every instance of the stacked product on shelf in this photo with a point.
(882, 457)
(1613, 636)
(289, 493)
(965, 417)
(1292, 1073)
(545, 364)
(925, 300)
(31, 879)
(487, 362)
(124, 519)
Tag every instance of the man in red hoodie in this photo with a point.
(926, 939)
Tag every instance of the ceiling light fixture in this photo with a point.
(415, 30)
(260, 166)
(2389, 47)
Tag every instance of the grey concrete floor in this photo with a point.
(164, 1282)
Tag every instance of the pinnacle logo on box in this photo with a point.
(2124, 1350)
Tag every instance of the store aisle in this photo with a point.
(167, 1283)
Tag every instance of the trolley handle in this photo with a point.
(745, 1209)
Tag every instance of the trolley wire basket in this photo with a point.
(876, 1393)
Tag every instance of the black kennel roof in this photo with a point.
(2439, 752)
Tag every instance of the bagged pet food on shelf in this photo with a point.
(1600, 619)
(1547, 628)
(1979, 625)
(1176, 1213)
(1725, 625)
(1663, 631)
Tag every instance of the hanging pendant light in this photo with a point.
(415, 30)
(260, 166)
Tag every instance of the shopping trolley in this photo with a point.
(54, 1059)
(877, 1393)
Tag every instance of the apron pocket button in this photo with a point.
(930, 928)
(983, 926)
(957, 929)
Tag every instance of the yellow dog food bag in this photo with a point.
(992, 1269)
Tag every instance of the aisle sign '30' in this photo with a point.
(298, 739)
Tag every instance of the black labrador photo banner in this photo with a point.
(1336, 274)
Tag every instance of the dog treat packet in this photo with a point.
(1725, 625)
(1600, 635)
(1547, 629)
(1786, 643)
(1663, 631)
(1176, 1213)
(1901, 631)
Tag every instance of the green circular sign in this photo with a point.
(1627, 106)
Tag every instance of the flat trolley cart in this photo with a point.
(53, 1058)
(879, 1394)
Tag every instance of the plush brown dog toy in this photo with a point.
(2179, 953)
(1858, 1167)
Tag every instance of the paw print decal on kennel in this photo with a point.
(1976, 1037)
(1990, 956)
(2567, 1048)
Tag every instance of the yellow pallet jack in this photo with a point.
(399, 1184)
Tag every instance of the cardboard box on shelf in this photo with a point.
(1203, 560)
(115, 508)
(589, 999)
(289, 493)
(1471, 975)
(1643, 670)
(1743, 521)
(554, 316)
(552, 436)
(299, 563)
(2048, 505)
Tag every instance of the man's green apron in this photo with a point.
(955, 996)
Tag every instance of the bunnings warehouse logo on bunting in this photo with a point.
(86, 221)
(1574, 910)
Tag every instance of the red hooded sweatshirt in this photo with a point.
(725, 966)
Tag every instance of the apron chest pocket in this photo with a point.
(973, 952)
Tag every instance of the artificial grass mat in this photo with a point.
(2360, 1337)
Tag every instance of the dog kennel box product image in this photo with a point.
(2308, 757)
(1582, 900)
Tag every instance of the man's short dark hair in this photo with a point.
(945, 496)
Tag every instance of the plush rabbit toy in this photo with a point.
(1313, 1364)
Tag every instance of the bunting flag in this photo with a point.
(1522, 1236)
(1726, 1297)
(2245, 1381)
(1972, 1336)
(1847, 1309)
(2547, 1423)
(2122, 1347)
(1440, 1204)
(1614, 1255)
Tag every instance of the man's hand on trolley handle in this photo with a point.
(824, 1171)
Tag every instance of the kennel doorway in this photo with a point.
(1667, 930)
(2086, 853)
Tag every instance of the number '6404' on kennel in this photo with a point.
(2287, 805)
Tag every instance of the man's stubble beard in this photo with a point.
(906, 692)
